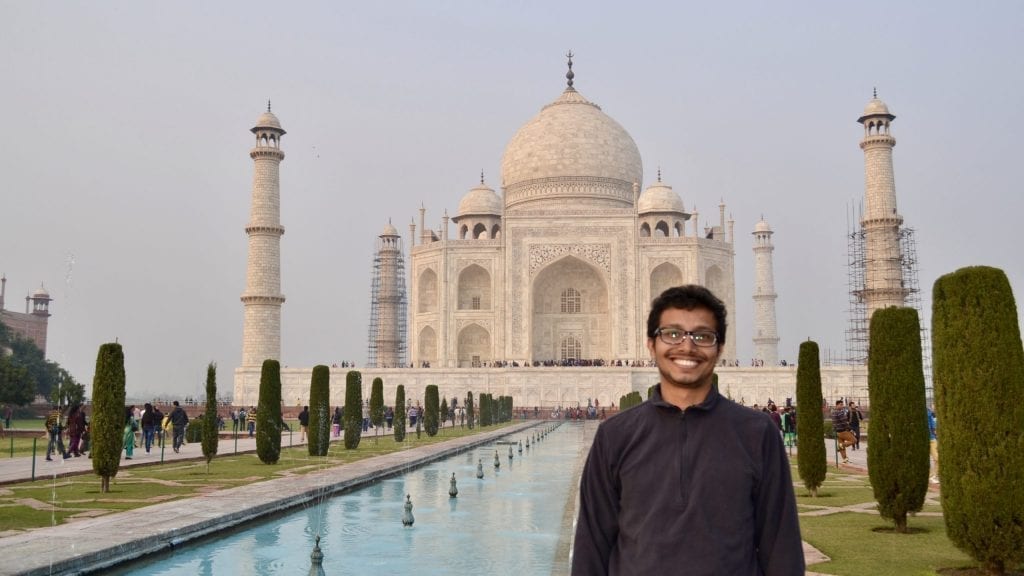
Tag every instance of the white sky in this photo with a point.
(126, 175)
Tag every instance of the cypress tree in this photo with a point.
(107, 426)
(353, 419)
(377, 403)
(444, 410)
(811, 460)
(470, 410)
(485, 410)
(210, 431)
(898, 452)
(432, 410)
(319, 411)
(268, 413)
(979, 396)
(399, 421)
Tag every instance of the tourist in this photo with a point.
(303, 424)
(688, 481)
(149, 424)
(76, 426)
(55, 429)
(130, 427)
(250, 421)
(933, 443)
(855, 417)
(179, 419)
(841, 426)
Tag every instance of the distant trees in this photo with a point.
(353, 419)
(631, 399)
(898, 455)
(810, 424)
(268, 413)
(377, 402)
(107, 426)
(209, 422)
(486, 410)
(25, 372)
(399, 421)
(979, 396)
(319, 411)
(431, 413)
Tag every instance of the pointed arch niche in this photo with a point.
(551, 323)
(474, 288)
(663, 277)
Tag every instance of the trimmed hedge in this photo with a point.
(979, 396)
(898, 458)
(399, 420)
(107, 427)
(811, 460)
(209, 424)
(431, 410)
(353, 418)
(319, 411)
(268, 413)
(377, 402)
(470, 411)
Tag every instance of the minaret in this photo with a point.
(883, 270)
(388, 303)
(261, 337)
(766, 335)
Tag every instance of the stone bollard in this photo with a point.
(407, 518)
(453, 490)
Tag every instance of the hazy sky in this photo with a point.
(126, 176)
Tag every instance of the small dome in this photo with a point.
(268, 120)
(762, 226)
(41, 293)
(481, 200)
(659, 197)
(876, 108)
(389, 230)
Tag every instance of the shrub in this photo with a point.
(470, 410)
(106, 429)
(399, 421)
(319, 411)
(979, 396)
(353, 419)
(268, 413)
(377, 402)
(444, 411)
(811, 461)
(209, 424)
(898, 452)
(431, 410)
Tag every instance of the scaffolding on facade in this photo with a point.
(388, 305)
(857, 337)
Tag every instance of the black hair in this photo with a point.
(687, 297)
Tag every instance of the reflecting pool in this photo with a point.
(516, 520)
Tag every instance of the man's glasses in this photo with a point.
(675, 336)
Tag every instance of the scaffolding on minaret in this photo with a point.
(857, 332)
(388, 303)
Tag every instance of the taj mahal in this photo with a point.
(541, 291)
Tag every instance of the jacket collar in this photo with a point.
(706, 406)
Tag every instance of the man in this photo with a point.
(179, 419)
(149, 424)
(841, 426)
(855, 417)
(688, 482)
(933, 443)
(55, 428)
(303, 424)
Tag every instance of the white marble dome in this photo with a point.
(389, 230)
(876, 107)
(571, 149)
(41, 293)
(659, 197)
(761, 227)
(481, 200)
(268, 120)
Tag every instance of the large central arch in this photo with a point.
(569, 299)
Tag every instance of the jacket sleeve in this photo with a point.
(777, 530)
(597, 525)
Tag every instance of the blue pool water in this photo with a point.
(513, 521)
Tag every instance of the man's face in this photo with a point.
(685, 365)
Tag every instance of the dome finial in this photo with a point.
(268, 104)
(874, 92)
(659, 173)
(481, 176)
(569, 75)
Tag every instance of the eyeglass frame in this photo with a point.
(687, 334)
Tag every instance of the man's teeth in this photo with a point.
(684, 362)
